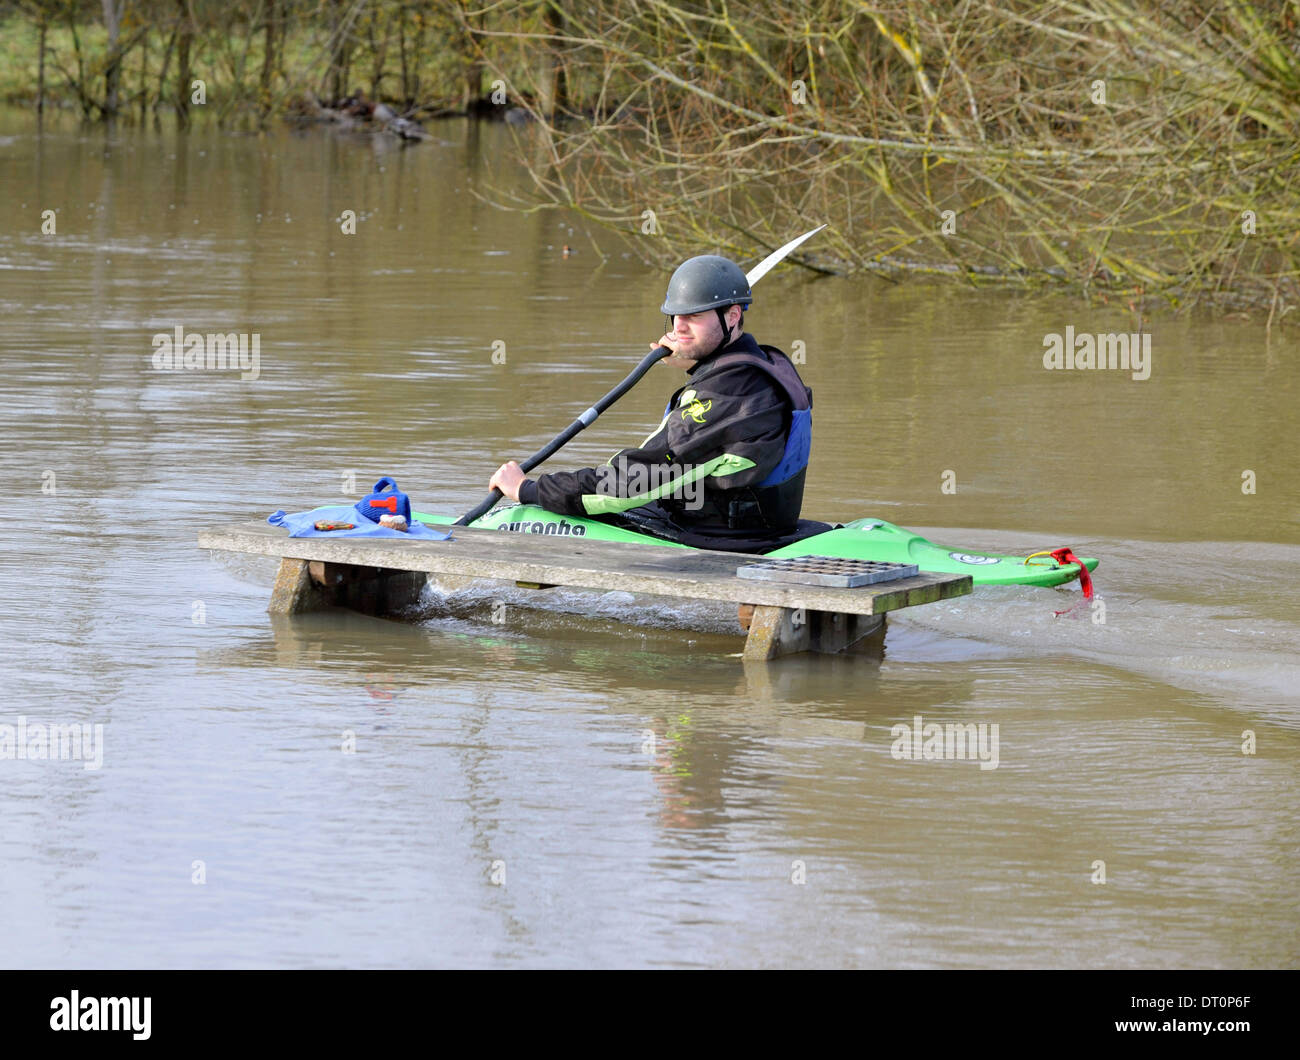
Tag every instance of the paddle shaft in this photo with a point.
(580, 424)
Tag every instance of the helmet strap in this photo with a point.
(726, 331)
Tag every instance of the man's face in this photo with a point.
(696, 334)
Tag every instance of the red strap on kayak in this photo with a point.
(1063, 556)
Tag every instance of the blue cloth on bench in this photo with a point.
(302, 524)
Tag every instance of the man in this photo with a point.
(725, 469)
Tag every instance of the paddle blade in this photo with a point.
(768, 263)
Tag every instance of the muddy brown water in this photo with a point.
(570, 779)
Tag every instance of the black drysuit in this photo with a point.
(717, 471)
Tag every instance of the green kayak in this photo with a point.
(868, 539)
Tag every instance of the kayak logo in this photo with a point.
(1123, 352)
(930, 742)
(563, 528)
(966, 557)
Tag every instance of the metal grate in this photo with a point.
(826, 570)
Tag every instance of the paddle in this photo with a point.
(653, 357)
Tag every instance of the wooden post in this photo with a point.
(303, 585)
(777, 631)
(294, 591)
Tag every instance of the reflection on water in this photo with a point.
(348, 783)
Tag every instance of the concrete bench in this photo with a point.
(385, 575)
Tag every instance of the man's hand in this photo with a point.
(677, 362)
(509, 477)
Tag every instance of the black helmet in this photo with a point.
(706, 282)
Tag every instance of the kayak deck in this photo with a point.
(865, 539)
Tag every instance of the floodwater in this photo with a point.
(567, 779)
